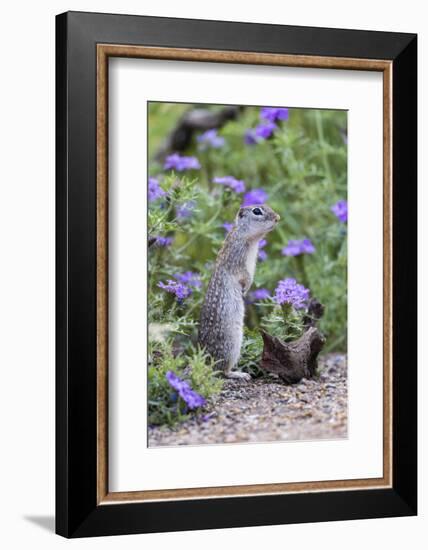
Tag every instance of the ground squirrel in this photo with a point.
(222, 316)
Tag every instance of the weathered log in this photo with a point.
(195, 120)
(314, 313)
(292, 361)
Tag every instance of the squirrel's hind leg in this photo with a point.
(229, 373)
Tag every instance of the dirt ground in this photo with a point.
(267, 410)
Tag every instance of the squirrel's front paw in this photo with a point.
(238, 375)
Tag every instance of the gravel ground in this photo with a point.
(267, 410)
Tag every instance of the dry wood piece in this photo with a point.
(294, 360)
(314, 313)
(193, 121)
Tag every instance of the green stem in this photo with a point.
(192, 308)
(335, 344)
(281, 232)
(277, 159)
(207, 169)
(161, 220)
(253, 318)
(320, 131)
(286, 309)
(301, 269)
(196, 235)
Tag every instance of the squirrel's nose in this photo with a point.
(277, 217)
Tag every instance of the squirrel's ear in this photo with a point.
(241, 213)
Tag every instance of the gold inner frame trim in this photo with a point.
(104, 51)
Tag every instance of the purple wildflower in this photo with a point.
(179, 163)
(155, 191)
(185, 210)
(340, 210)
(296, 247)
(189, 278)
(307, 247)
(228, 226)
(210, 139)
(274, 113)
(250, 137)
(292, 249)
(180, 290)
(175, 381)
(229, 181)
(265, 130)
(255, 196)
(192, 399)
(261, 132)
(291, 292)
(164, 241)
(260, 294)
(262, 254)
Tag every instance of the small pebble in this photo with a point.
(267, 410)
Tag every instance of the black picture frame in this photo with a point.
(78, 513)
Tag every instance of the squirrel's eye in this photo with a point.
(257, 212)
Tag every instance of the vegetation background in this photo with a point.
(300, 165)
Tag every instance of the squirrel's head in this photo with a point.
(255, 221)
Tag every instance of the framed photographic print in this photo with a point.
(236, 274)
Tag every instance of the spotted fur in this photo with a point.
(222, 316)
